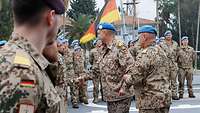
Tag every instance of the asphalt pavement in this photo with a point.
(186, 105)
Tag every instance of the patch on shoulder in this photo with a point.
(120, 44)
(22, 59)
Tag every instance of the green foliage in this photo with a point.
(78, 27)
(5, 19)
(82, 12)
(78, 7)
(168, 11)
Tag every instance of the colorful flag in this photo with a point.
(110, 13)
(89, 35)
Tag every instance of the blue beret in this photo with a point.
(61, 39)
(75, 42)
(147, 29)
(57, 5)
(184, 38)
(168, 33)
(76, 48)
(3, 42)
(106, 26)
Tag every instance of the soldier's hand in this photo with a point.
(126, 77)
(121, 92)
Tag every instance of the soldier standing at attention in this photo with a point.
(112, 65)
(25, 85)
(186, 57)
(171, 49)
(79, 70)
(149, 75)
(94, 56)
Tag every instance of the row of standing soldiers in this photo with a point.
(180, 62)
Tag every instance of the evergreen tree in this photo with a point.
(78, 7)
(6, 22)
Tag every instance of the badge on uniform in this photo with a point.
(25, 108)
(27, 84)
(119, 43)
(22, 59)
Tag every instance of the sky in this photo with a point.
(145, 9)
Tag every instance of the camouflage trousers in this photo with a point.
(78, 93)
(62, 90)
(121, 106)
(188, 75)
(96, 83)
(173, 76)
(158, 110)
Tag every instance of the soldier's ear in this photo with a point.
(51, 17)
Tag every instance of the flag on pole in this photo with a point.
(90, 34)
(109, 13)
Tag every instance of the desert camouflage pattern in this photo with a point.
(93, 59)
(171, 52)
(24, 83)
(112, 64)
(150, 77)
(79, 69)
(186, 58)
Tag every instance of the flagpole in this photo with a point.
(197, 38)
(123, 21)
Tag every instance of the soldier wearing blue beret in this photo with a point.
(171, 48)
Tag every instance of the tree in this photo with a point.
(86, 7)
(5, 19)
(78, 27)
(168, 13)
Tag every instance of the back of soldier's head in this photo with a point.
(28, 11)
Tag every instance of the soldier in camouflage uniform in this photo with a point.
(171, 49)
(136, 49)
(186, 57)
(94, 56)
(79, 70)
(25, 85)
(149, 75)
(112, 64)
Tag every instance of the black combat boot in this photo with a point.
(175, 98)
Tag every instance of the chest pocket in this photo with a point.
(109, 63)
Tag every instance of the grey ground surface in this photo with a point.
(186, 105)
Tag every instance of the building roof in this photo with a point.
(129, 21)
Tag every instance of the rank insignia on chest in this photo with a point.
(25, 108)
(22, 59)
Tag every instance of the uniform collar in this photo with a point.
(23, 43)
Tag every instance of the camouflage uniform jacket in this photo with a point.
(150, 76)
(24, 84)
(79, 61)
(61, 79)
(171, 52)
(186, 57)
(135, 50)
(69, 62)
(94, 56)
(112, 64)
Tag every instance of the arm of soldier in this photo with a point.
(194, 55)
(91, 58)
(137, 72)
(20, 90)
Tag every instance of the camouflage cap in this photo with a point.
(57, 5)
